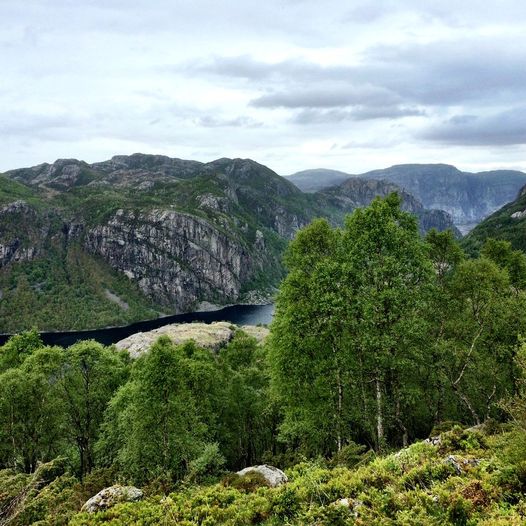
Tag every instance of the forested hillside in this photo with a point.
(92, 245)
(508, 223)
(381, 338)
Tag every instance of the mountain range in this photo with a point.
(468, 197)
(136, 237)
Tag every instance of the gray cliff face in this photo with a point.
(182, 232)
(358, 192)
(468, 197)
(177, 259)
(22, 233)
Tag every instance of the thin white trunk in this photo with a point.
(379, 414)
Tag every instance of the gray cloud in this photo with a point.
(209, 121)
(358, 113)
(439, 73)
(502, 129)
(326, 97)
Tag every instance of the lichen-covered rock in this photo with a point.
(274, 476)
(108, 497)
(211, 336)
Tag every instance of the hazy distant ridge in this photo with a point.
(468, 197)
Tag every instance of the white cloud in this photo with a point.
(287, 80)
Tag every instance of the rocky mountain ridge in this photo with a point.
(467, 197)
(165, 233)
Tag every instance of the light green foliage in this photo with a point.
(247, 414)
(514, 261)
(345, 325)
(444, 251)
(31, 412)
(91, 374)
(17, 348)
(416, 486)
(54, 401)
(159, 422)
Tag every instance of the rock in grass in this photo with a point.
(108, 497)
(274, 476)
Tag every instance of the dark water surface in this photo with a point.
(238, 314)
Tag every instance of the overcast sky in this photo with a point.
(294, 84)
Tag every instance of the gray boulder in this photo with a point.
(108, 497)
(274, 476)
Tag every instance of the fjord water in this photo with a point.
(237, 314)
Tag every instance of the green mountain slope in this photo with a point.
(159, 234)
(508, 223)
(466, 477)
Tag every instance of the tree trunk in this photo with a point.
(405, 435)
(340, 408)
(379, 414)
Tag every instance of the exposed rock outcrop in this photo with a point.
(210, 336)
(21, 233)
(273, 476)
(108, 497)
(177, 259)
(358, 192)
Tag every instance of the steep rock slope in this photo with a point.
(142, 235)
(358, 192)
(508, 223)
(468, 197)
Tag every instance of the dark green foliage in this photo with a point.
(67, 290)
(502, 226)
(345, 328)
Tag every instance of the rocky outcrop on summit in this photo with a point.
(59, 176)
(177, 259)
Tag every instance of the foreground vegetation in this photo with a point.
(380, 339)
(470, 477)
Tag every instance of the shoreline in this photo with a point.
(216, 309)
